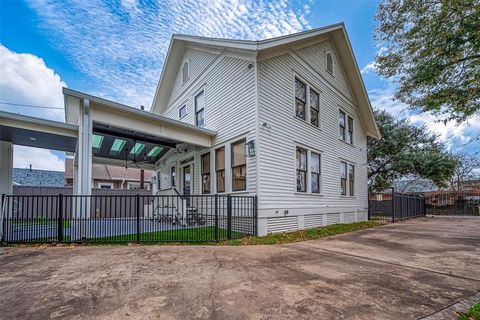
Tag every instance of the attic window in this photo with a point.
(185, 72)
(329, 63)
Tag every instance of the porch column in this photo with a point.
(6, 167)
(85, 150)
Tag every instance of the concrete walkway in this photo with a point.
(406, 270)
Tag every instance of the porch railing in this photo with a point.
(126, 218)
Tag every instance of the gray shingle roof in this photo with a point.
(44, 178)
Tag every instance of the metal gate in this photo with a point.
(453, 203)
(391, 206)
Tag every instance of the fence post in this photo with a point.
(393, 204)
(255, 215)
(229, 217)
(216, 217)
(2, 218)
(60, 218)
(137, 209)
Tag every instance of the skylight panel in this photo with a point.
(117, 147)
(154, 152)
(97, 141)
(137, 148)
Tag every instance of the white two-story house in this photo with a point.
(292, 118)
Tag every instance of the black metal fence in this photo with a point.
(391, 206)
(453, 203)
(126, 218)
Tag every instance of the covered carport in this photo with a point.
(96, 131)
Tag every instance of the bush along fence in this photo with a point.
(391, 206)
(126, 218)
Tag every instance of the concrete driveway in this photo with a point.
(405, 270)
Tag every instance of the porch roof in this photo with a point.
(126, 134)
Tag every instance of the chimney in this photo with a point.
(142, 108)
(30, 167)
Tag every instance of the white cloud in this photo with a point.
(121, 47)
(454, 135)
(41, 159)
(368, 68)
(25, 79)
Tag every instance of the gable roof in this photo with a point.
(336, 32)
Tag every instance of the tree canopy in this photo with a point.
(405, 151)
(431, 49)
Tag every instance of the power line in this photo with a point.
(29, 105)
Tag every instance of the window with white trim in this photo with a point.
(329, 63)
(220, 168)
(350, 130)
(307, 103)
(300, 99)
(172, 177)
(182, 112)
(315, 160)
(105, 185)
(301, 155)
(347, 179)
(206, 173)
(239, 166)
(200, 109)
(341, 124)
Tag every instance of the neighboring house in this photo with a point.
(38, 178)
(112, 177)
(470, 185)
(292, 118)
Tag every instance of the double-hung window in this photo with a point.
(351, 179)
(220, 168)
(172, 177)
(315, 172)
(200, 109)
(345, 124)
(343, 178)
(239, 166)
(300, 99)
(314, 107)
(301, 155)
(347, 179)
(341, 124)
(206, 173)
(350, 130)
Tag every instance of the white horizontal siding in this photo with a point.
(277, 151)
(282, 224)
(230, 109)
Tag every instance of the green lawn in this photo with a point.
(303, 235)
(472, 314)
(203, 235)
(41, 222)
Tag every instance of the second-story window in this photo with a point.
(220, 168)
(341, 124)
(239, 166)
(200, 109)
(314, 107)
(300, 99)
(182, 111)
(206, 173)
(350, 130)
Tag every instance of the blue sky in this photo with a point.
(116, 49)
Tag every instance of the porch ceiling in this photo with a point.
(35, 132)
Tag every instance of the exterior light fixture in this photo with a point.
(33, 139)
(250, 149)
